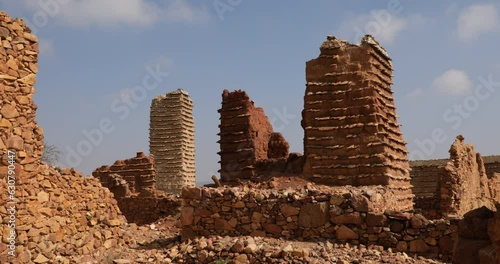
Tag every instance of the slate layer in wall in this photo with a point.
(351, 132)
(171, 141)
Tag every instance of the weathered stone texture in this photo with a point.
(244, 136)
(426, 186)
(473, 241)
(138, 173)
(132, 182)
(58, 212)
(492, 164)
(463, 181)
(339, 214)
(18, 67)
(351, 132)
(171, 141)
(494, 185)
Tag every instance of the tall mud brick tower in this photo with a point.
(171, 141)
(351, 132)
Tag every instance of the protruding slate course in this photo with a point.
(244, 136)
(351, 132)
(171, 141)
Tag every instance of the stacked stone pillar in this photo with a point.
(351, 132)
(171, 141)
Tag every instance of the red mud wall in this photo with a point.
(244, 136)
(132, 182)
(138, 172)
(351, 132)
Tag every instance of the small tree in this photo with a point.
(51, 154)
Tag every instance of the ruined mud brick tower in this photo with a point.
(171, 141)
(351, 132)
(244, 136)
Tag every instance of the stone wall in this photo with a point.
(463, 181)
(60, 217)
(476, 238)
(351, 132)
(426, 183)
(18, 67)
(494, 184)
(244, 134)
(426, 186)
(171, 141)
(492, 164)
(139, 174)
(289, 166)
(132, 182)
(353, 215)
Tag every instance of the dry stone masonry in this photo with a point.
(351, 132)
(59, 215)
(340, 215)
(132, 183)
(18, 67)
(138, 173)
(492, 164)
(171, 141)
(476, 237)
(426, 186)
(464, 185)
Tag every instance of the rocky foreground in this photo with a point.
(160, 243)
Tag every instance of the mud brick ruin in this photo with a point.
(171, 141)
(354, 148)
(247, 138)
(138, 173)
(351, 134)
(133, 184)
(458, 185)
(463, 182)
(363, 195)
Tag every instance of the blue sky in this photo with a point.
(96, 54)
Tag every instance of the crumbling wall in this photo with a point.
(132, 182)
(18, 67)
(426, 187)
(494, 185)
(351, 132)
(278, 147)
(171, 141)
(244, 136)
(492, 164)
(463, 181)
(53, 216)
(138, 173)
(341, 215)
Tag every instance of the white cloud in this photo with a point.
(381, 24)
(476, 20)
(46, 47)
(453, 82)
(415, 93)
(109, 13)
